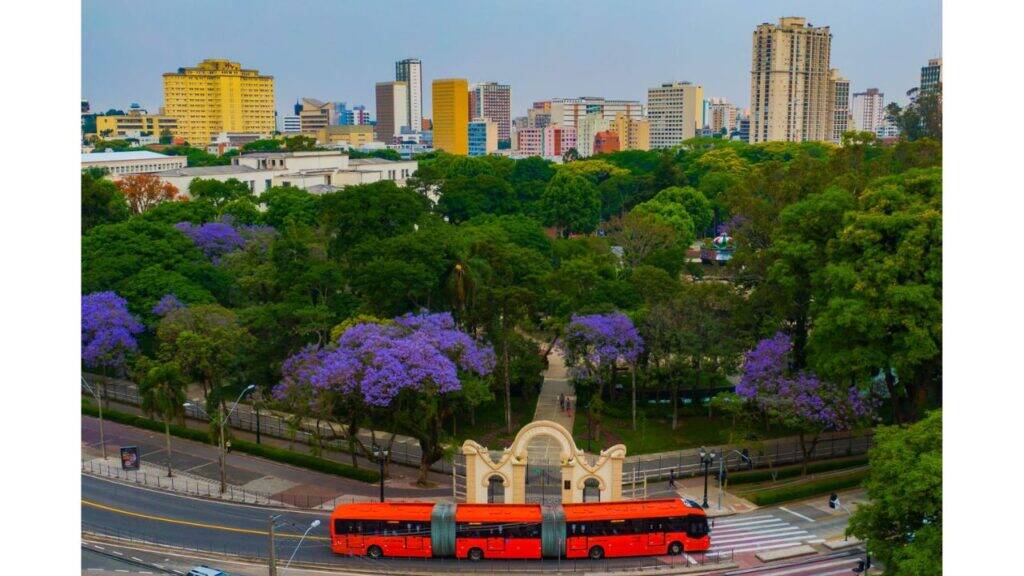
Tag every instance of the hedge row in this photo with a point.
(765, 475)
(807, 489)
(261, 450)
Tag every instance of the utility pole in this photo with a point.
(272, 552)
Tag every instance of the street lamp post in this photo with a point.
(312, 525)
(381, 454)
(99, 404)
(223, 420)
(721, 471)
(706, 458)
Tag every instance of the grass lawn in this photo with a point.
(489, 429)
(766, 493)
(654, 433)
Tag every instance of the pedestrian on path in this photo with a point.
(561, 401)
(672, 479)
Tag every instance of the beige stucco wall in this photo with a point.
(511, 466)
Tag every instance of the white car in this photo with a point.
(206, 571)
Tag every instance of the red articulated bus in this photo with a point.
(384, 529)
(644, 528)
(497, 531)
(476, 531)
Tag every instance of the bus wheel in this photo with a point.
(374, 552)
(596, 553)
(475, 554)
(675, 549)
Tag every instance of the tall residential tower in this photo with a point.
(839, 95)
(493, 101)
(789, 82)
(410, 72)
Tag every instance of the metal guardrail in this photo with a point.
(777, 452)
(203, 488)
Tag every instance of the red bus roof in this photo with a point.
(627, 509)
(419, 511)
(497, 513)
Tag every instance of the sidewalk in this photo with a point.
(284, 483)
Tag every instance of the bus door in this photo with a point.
(655, 533)
(576, 536)
(354, 537)
(414, 536)
(496, 538)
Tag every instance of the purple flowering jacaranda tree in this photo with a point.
(108, 333)
(217, 239)
(596, 343)
(800, 400)
(167, 304)
(419, 356)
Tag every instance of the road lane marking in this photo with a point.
(172, 494)
(812, 567)
(136, 559)
(193, 524)
(797, 514)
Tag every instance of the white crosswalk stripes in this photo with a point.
(752, 534)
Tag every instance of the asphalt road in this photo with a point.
(207, 526)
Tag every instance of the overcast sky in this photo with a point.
(337, 51)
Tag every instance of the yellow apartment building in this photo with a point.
(451, 115)
(219, 96)
(110, 127)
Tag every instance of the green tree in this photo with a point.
(209, 345)
(463, 197)
(369, 211)
(507, 291)
(265, 145)
(162, 393)
(800, 253)
(300, 143)
(640, 234)
(902, 520)
(571, 204)
(290, 204)
(881, 304)
(102, 202)
(216, 192)
(145, 260)
(668, 207)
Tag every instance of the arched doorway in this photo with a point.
(496, 490)
(591, 490)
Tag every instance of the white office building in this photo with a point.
(118, 164)
(263, 170)
(676, 113)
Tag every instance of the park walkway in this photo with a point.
(543, 449)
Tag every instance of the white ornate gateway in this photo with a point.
(603, 480)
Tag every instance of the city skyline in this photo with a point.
(713, 50)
